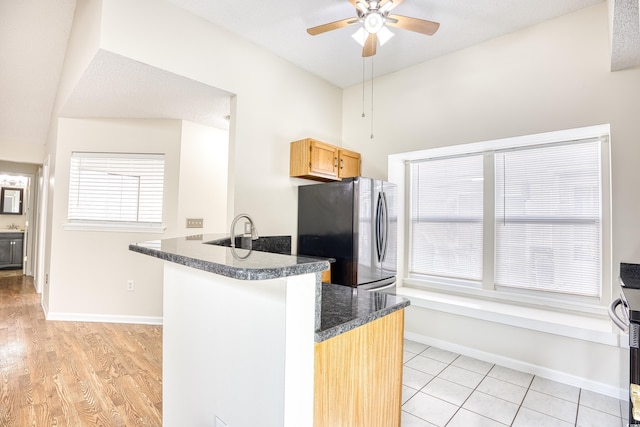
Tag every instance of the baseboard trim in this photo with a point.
(521, 366)
(103, 318)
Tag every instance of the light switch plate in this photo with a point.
(195, 222)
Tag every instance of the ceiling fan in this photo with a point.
(374, 17)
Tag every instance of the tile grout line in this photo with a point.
(474, 389)
(520, 405)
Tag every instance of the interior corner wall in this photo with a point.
(549, 77)
(90, 269)
(275, 101)
(204, 159)
(83, 44)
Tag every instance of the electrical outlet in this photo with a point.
(46, 279)
(130, 285)
(195, 222)
(195, 237)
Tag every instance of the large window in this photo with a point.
(116, 189)
(523, 218)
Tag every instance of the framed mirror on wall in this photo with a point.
(11, 201)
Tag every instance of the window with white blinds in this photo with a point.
(116, 188)
(548, 218)
(545, 210)
(447, 217)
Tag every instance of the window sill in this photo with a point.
(596, 329)
(121, 228)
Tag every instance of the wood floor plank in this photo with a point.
(74, 373)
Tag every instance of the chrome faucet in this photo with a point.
(254, 231)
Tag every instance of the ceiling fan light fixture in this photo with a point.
(360, 36)
(384, 35)
(373, 22)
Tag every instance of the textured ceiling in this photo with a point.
(33, 41)
(115, 86)
(281, 25)
(34, 34)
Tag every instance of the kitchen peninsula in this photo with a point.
(253, 338)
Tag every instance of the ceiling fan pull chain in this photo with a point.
(372, 97)
(363, 62)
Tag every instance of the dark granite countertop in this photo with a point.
(344, 308)
(630, 274)
(242, 264)
(338, 308)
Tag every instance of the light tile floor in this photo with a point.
(441, 388)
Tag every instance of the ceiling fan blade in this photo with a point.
(353, 2)
(314, 31)
(413, 24)
(370, 46)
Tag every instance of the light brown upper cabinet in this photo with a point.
(313, 159)
(349, 163)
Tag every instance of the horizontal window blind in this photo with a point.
(116, 188)
(548, 218)
(446, 217)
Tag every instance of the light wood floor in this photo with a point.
(74, 373)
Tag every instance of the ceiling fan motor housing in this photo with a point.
(373, 22)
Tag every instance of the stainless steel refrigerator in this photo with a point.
(355, 222)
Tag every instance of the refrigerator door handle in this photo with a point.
(378, 226)
(385, 224)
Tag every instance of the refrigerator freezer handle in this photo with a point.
(389, 286)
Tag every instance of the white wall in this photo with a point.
(550, 77)
(202, 193)
(89, 270)
(276, 102)
(21, 152)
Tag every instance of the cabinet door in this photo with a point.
(324, 159)
(6, 251)
(349, 164)
(358, 376)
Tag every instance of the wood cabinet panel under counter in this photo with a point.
(358, 376)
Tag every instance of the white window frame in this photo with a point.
(79, 224)
(399, 174)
